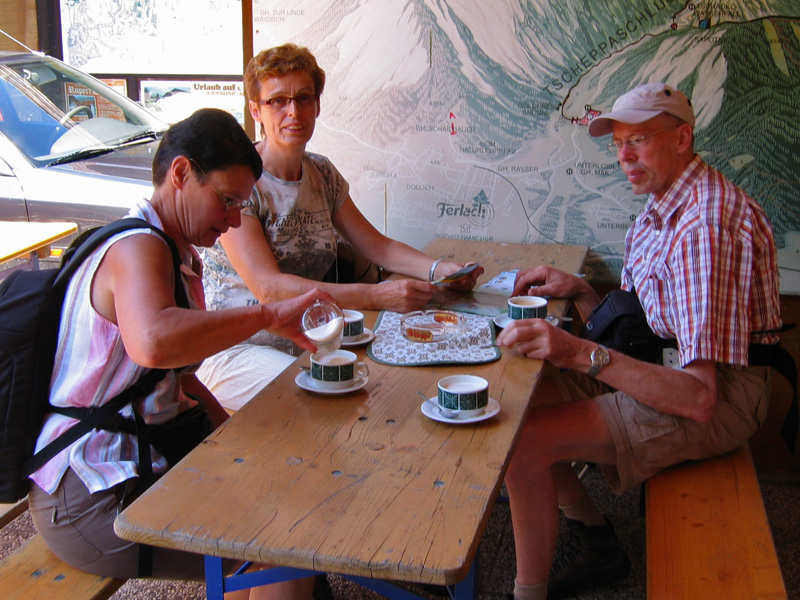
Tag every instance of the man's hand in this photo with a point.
(688, 392)
(547, 281)
(536, 338)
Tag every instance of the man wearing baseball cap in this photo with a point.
(702, 259)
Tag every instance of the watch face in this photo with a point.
(599, 358)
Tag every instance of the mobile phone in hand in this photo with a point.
(460, 274)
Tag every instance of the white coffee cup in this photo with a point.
(527, 307)
(353, 325)
(337, 369)
(465, 395)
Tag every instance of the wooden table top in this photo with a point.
(362, 483)
(20, 238)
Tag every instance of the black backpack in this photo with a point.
(30, 314)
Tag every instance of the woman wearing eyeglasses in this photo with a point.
(287, 243)
(120, 322)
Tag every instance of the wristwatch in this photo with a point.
(600, 359)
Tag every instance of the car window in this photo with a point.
(51, 111)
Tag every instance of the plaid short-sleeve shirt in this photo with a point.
(704, 263)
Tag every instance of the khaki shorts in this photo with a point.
(648, 441)
(79, 528)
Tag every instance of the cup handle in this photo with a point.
(362, 370)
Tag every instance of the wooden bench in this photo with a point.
(9, 512)
(33, 572)
(708, 534)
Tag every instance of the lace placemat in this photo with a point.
(391, 348)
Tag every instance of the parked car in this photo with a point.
(71, 147)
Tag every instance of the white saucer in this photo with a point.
(304, 380)
(366, 336)
(502, 321)
(432, 412)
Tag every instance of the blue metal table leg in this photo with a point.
(217, 583)
(384, 588)
(465, 589)
(215, 579)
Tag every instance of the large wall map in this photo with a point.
(467, 118)
(153, 36)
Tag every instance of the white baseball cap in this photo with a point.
(643, 103)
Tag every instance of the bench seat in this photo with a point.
(708, 534)
(33, 572)
(9, 512)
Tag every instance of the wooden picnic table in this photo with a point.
(362, 484)
(22, 239)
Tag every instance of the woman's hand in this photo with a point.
(402, 295)
(463, 284)
(283, 317)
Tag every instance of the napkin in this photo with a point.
(391, 348)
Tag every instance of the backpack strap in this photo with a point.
(90, 240)
(91, 418)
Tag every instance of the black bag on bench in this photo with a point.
(619, 323)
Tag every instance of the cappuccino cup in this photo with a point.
(353, 325)
(337, 369)
(527, 307)
(464, 395)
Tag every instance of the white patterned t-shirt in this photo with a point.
(296, 217)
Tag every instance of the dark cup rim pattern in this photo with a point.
(353, 328)
(470, 401)
(332, 373)
(322, 373)
(527, 312)
(463, 401)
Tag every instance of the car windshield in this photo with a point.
(54, 113)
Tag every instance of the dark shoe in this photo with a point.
(435, 590)
(322, 589)
(592, 557)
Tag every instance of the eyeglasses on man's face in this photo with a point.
(228, 203)
(279, 103)
(634, 141)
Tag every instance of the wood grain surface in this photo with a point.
(361, 483)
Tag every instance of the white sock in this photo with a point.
(537, 591)
(584, 511)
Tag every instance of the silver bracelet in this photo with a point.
(435, 264)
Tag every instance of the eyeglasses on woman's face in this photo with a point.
(279, 103)
(228, 203)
